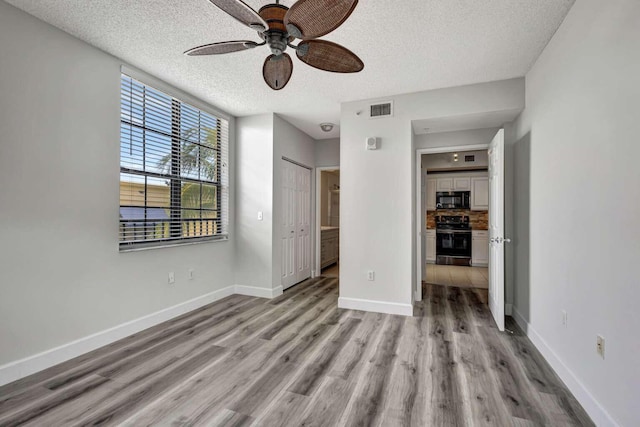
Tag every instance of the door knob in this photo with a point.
(507, 240)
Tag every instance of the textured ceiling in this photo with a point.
(407, 46)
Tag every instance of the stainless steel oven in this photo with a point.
(453, 240)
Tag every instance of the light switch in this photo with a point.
(259, 215)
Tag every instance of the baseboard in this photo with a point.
(597, 413)
(508, 309)
(254, 291)
(375, 306)
(21, 368)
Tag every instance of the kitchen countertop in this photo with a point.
(328, 228)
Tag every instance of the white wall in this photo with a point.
(578, 234)
(254, 190)
(327, 152)
(63, 277)
(377, 186)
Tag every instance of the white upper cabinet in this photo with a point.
(445, 184)
(431, 194)
(479, 194)
(462, 184)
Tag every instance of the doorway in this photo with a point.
(328, 221)
(460, 220)
(457, 219)
(486, 193)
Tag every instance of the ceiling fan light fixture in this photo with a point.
(326, 127)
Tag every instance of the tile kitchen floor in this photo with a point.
(455, 275)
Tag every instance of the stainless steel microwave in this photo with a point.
(453, 200)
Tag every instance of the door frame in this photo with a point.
(316, 272)
(420, 225)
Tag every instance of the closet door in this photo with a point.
(295, 224)
(288, 224)
(303, 222)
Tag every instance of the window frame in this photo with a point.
(175, 177)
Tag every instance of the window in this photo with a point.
(173, 169)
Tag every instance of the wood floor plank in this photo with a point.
(516, 392)
(284, 411)
(445, 398)
(230, 379)
(367, 402)
(300, 360)
(119, 407)
(312, 374)
(405, 403)
(356, 349)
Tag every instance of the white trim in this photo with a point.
(32, 364)
(416, 293)
(318, 242)
(254, 291)
(598, 414)
(375, 306)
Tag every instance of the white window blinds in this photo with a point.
(173, 169)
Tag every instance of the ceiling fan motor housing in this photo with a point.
(276, 36)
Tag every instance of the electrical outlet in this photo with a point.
(371, 275)
(600, 345)
(260, 215)
(565, 318)
(191, 274)
(172, 278)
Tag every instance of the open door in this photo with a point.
(496, 228)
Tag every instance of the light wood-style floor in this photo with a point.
(299, 360)
(332, 270)
(456, 275)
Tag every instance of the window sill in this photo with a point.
(169, 244)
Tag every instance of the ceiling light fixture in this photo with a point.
(326, 127)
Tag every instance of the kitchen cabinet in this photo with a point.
(432, 185)
(445, 184)
(329, 246)
(479, 248)
(462, 184)
(480, 194)
(431, 246)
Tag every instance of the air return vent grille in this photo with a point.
(383, 109)
(470, 158)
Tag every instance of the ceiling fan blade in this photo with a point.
(308, 19)
(222, 47)
(329, 56)
(243, 13)
(277, 70)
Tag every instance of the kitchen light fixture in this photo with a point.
(326, 127)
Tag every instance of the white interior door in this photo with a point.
(303, 223)
(295, 223)
(496, 228)
(288, 224)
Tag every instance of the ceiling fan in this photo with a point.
(279, 26)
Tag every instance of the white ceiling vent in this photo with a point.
(382, 109)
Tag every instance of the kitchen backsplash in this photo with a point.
(479, 220)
